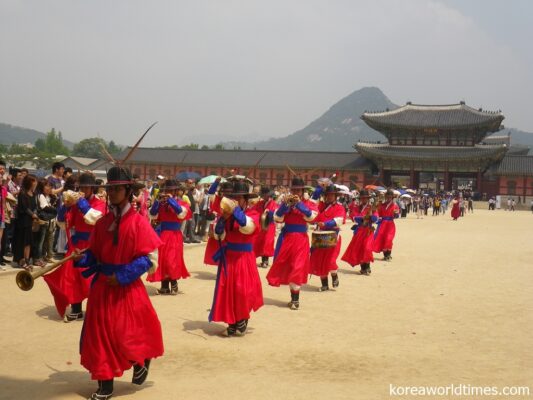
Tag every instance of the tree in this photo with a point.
(219, 146)
(52, 144)
(193, 146)
(92, 148)
(19, 154)
(205, 147)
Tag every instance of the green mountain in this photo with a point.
(10, 134)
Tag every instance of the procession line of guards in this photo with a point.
(114, 245)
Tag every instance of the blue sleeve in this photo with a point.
(271, 215)
(130, 272)
(396, 215)
(373, 218)
(83, 205)
(239, 216)
(213, 187)
(175, 206)
(87, 260)
(61, 211)
(154, 210)
(316, 194)
(282, 210)
(219, 227)
(359, 220)
(330, 224)
(303, 209)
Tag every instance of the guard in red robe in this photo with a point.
(121, 328)
(264, 242)
(456, 208)
(66, 282)
(171, 212)
(291, 255)
(386, 229)
(331, 215)
(359, 251)
(212, 245)
(238, 289)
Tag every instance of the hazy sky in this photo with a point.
(252, 69)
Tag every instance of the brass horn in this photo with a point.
(25, 279)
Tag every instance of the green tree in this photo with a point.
(219, 146)
(92, 148)
(52, 144)
(190, 146)
(205, 147)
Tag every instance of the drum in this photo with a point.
(323, 239)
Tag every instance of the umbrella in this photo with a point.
(342, 188)
(240, 178)
(208, 180)
(324, 181)
(408, 196)
(380, 188)
(183, 176)
(396, 192)
(347, 192)
(401, 191)
(411, 191)
(371, 187)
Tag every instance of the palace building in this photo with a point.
(443, 147)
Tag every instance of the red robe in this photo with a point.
(212, 244)
(171, 264)
(325, 260)
(360, 248)
(386, 229)
(238, 289)
(264, 242)
(291, 263)
(66, 283)
(456, 208)
(121, 326)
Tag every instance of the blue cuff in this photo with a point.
(83, 206)
(316, 194)
(282, 210)
(330, 224)
(373, 218)
(303, 209)
(175, 206)
(132, 271)
(154, 210)
(213, 187)
(239, 216)
(359, 220)
(219, 227)
(87, 260)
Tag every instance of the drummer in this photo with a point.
(330, 218)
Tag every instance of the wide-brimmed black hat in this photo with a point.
(389, 192)
(118, 176)
(226, 187)
(241, 188)
(364, 193)
(331, 189)
(265, 190)
(297, 183)
(87, 179)
(170, 184)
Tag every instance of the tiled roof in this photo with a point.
(249, 158)
(515, 165)
(429, 153)
(439, 116)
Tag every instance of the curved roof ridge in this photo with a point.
(432, 107)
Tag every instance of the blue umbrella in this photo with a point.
(182, 176)
(402, 191)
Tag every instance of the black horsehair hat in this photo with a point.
(241, 188)
(364, 193)
(118, 176)
(297, 183)
(87, 179)
(331, 189)
(265, 190)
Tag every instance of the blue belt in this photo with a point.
(220, 257)
(288, 228)
(387, 218)
(170, 226)
(80, 236)
(97, 269)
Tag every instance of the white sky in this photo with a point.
(252, 69)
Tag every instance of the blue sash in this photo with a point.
(220, 257)
(170, 226)
(288, 228)
(97, 269)
(80, 236)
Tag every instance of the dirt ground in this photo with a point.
(453, 307)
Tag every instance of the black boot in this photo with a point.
(294, 304)
(76, 314)
(242, 325)
(165, 287)
(140, 373)
(232, 329)
(174, 287)
(325, 284)
(264, 261)
(387, 256)
(335, 280)
(104, 392)
(365, 269)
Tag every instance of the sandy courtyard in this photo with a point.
(454, 307)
